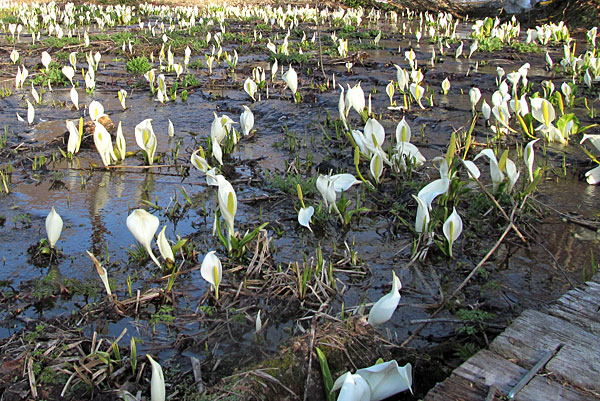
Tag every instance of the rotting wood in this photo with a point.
(525, 341)
(570, 375)
(541, 388)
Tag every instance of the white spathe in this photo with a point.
(387, 378)
(384, 308)
(212, 270)
(452, 228)
(495, 172)
(250, 87)
(143, 226)
(163, 246)
(74, 138)
(374, 383)
(246, 121)
(403, 131)
(96, 110)
(103, 144)
(54, 225)
(352, 388)
(146, 139)
(157, 382)
(291, 79)
(304, 216)
(227, 202)
(422, 218)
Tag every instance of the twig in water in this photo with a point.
(465, 281)
(498, 206)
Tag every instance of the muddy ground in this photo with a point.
(62, 336)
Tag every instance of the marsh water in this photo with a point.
(292, 141)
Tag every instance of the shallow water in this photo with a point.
(94, 203)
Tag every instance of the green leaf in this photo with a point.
(250, 236)
(327, 379)
(179, 244)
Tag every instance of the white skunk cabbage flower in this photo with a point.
(54, 226)
(101, 272)
(452, 228)
(157, 383)
(164, 248)
(146, 139)
(387, 378)
(529, 156)
(96, 110)
(212, 271)
(103, 144)
(246, 121)
(374, 383)
(384, 308)
(291, 79)
(74, 138)
(250, 87)
(352, 388)
(305, 215)
(143, 226)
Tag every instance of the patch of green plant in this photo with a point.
(77, 287)
(138, 65)
(467, 350)
(24, 219)
(44, 288)
(137, 255)
(196, 44)
(288, 183)
(49, 376)
(100, 37)
(196, 64)
(56, 43)
(10, 19)
(5, 92)
(124, 36)
(475, 319)
(198, 29)
(292, 58)
(237, 37)
(33, 336)
(189, 80)
(352, 47)
(489, 44)
(163, 315)
(350, 31)
(523, 47)
(264, 28)
(54, 75)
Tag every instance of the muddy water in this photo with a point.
(94, 203)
